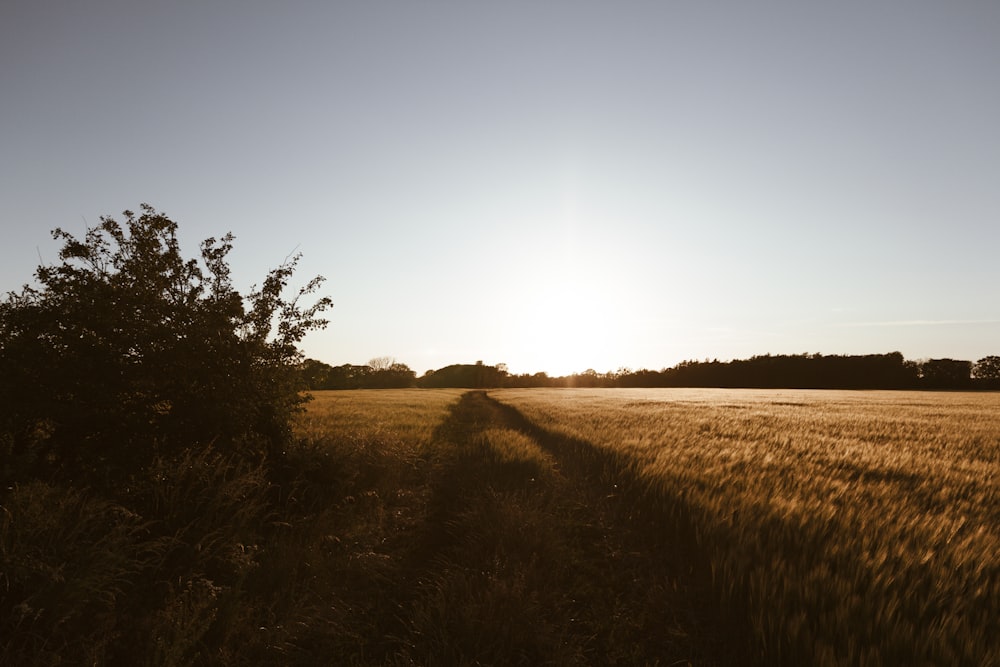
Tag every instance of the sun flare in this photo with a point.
(566, 324)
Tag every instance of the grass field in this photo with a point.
(850, 527)
(407, 416)
(462, 539)
(534, 527)
(832, 527)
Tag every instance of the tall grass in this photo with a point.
(434, 527)
(203, 558)
(851, 527)
(154, 575)
(536, 563)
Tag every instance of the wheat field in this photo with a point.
(852, 527)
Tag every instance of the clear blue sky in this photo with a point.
(553, 185)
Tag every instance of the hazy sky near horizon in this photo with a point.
(553, 185)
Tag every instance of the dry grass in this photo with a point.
(852, 527)
(435, 527)
(533, 562)
(410, 415)
(204, 558)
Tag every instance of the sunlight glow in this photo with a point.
(566, 323)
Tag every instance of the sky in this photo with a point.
(553, 185)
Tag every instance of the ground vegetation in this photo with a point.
(849, 528)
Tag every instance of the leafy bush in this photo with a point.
(125, 351)
(147, 409)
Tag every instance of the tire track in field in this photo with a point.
(566, 567)
(662, 543)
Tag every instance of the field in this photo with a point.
(682, 526)
(534, 527)
(462, 539)
(849, 527)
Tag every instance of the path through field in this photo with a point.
(533, 552)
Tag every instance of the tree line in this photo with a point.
(802, 371)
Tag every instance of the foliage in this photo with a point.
(470, 376)
(987, 368)
(378, 373)
(814, 371)
(66, 561)
(148, 412)
(803, 371)
(126, 350)
(159, 580)
(205, 560)
(945, 373)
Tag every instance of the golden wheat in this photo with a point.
(403, 415)
(854, 527)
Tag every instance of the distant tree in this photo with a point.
(348, 376)
(384, 373)
(378, 364)
(527, 380)
(470, 376)
(588, 378)
(987, 368)
(945, 373)
(315, 374)
(124, 349)
(885, 371)
(395, 376)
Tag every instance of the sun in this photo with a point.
(565, 324)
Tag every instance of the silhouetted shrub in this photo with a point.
(125, 351)
(147, 409)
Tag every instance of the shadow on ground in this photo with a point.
(537, 549)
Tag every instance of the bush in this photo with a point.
(147, 409)
(126, 351)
